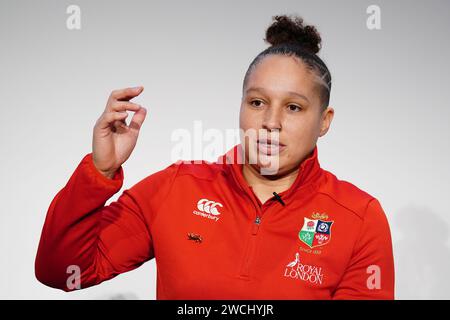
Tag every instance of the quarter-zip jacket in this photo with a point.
(212, 238)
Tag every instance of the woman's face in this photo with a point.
(281, 116)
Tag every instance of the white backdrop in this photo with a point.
(390, 135)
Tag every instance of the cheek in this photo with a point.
(301, 134)
(247, 119)
(300, 129)
(242, 120)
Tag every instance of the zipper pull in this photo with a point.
(256, 225)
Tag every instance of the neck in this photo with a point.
(264, 186)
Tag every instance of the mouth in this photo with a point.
(270, 146)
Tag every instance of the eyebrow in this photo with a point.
(293, 93)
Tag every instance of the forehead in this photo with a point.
(277, 74)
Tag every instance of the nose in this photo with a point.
(272, 120)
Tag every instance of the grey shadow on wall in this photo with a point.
(421, 254)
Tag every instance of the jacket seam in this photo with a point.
(155, 215)
(202, 178)
(354, 245)
(344, 206)
(141, 215)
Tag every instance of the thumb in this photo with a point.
(138, 119)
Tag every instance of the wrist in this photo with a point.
(107, 173)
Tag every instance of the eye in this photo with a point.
(294, 108)
(258, 103)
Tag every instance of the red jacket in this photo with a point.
(323, 238)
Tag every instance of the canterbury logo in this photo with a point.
(208, 206)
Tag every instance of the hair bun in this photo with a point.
(286, 30)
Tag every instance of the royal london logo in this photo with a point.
(315, 232)
(303, 272)
(208, 209)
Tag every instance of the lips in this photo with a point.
(270, 146)
(270, 141)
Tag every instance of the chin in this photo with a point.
(268, 165)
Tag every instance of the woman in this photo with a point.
(264, 221)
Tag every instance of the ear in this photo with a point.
(325, 121)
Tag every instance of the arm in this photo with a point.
(370, 273)
(102, 241)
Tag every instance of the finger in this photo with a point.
(123, 106)
(108, 118)
(126, 93)
(120, 124)
(138, 119)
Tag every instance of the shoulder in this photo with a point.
(346, 194)
(200, 169)
(160, 183)
(197, 169)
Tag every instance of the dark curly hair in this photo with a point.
(289, 36)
